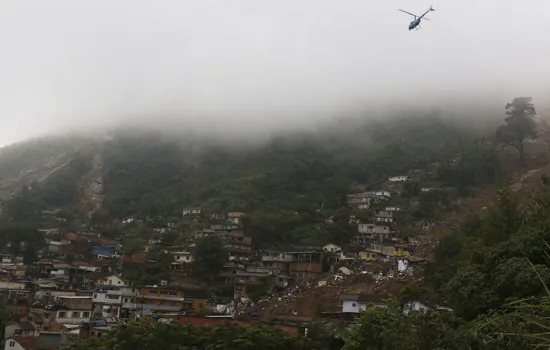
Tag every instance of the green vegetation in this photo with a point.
(139, 335)
(492, 272)
(289, 186)
(520, 124)
(209, 257)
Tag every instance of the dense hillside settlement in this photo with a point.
(296, 236)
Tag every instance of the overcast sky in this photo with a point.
(261, 63)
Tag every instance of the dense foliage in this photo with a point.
(136, 335)
(520, 124)
(290, 185)
(492, 272)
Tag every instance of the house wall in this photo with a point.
(369, 256)
(353, 306)
(166, 292)
(184, 258)
(12, 344)
(306, 267)
(69, 317)
(112, 281)
(332, 248)
(371, 228)
(10, 329)
(105, 298)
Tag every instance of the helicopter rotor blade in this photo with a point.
(412, 14)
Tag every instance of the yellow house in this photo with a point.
(199, 304)
(161, 298)
(387, 251)
(400, 252)
(368, 255)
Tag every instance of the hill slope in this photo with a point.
(288, 185)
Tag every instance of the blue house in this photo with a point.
(98, 250)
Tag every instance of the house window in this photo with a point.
(152, 291)
(12, 344)
(75, 314)
(354, 304)
(172, 293)
(186, 258)
(86, 314)
(163, 292)
(62, 314)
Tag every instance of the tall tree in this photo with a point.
(209, 257)
(520, 124)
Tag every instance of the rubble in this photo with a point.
(305, 297)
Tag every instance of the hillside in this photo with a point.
(288, 185)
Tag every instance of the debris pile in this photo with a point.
(309, 297)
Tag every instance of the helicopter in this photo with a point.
(414, 24)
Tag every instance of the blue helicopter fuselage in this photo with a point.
(414, 24)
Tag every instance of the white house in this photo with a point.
(19, 329)
(383, 194)
(193, 212)
(112, 281)
(332, 248)
(73, 316)
(13, 344)
(183, 257)
(352, 303)
(371, 228)
(235, 217)
(398, 178)
(392, 209)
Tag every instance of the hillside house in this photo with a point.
(360, 201)
(244, 281)
(401, 178)
(368, 233)
(182, 256)
(117, 302)
(73, 310)
(429, 189)
(333, 248)
(191, 213)
(382, 195)
(112, 280)
(352, 303)
(217, 217)
(237, 245)
(392, 209)
(19, 329)
(154, 298)
(102, 251)
(383, 217)
(236, 217)
(299, 263)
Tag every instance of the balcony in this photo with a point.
(130, 305)
(124, 292)
(248, 282)
(105, 298)
(161, 297)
